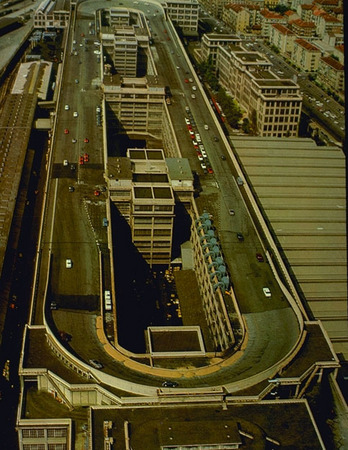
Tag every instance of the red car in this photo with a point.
(86, 140)
(259, 257)
(186, 80)
(81, 160)
(86, 157)
(66, 131)
(96, 193)
(210, 170)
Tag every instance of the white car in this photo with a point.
(65, 162)
(206, 127)
(68, 263)
(187, 121)
(267, 292)
(66, 107)
(194, 88)
(193, 96)
(76, 114)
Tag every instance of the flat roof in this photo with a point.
(175, 426)
(179, 169)
(301, 189)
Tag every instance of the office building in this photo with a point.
(273, 104)
(145, 187)
(138, 105)
(183, 14)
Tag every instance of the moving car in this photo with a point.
(259, 257)
(66, 107)
(169, 384)
(75, 114)
(240, 237)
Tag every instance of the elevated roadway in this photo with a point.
(71, 228)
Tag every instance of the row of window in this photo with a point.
(153, 208)
(153, 220)
(44, 447)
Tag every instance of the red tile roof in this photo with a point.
(282, 29)
(330, 18)
(301, 23)
(332, 62)
(307, 45)
(271, 15)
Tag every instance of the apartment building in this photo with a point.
(327, 23)
(52, 14)
(184, 14)
(138, 105)
(282, 38)
(302, 28)
(268, 18)
(145, 187)
(237, 17)
(273, 104)
(210, 44)
(331, 74)
(305, 55)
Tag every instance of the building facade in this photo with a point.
(184, 13)
(272, 104)
(51, 14)
(331, 74)
(138, 105)
(210, 44)
(305, 55)
(282, 38)
(145, 188)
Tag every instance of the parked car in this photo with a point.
(68, 263)
(267, 292)
(240, 237)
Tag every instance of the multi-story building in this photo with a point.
(237, 17)
(138, 105)
(331, 74)
(125, 55)
(305, 55)
(302, 28)
(117, 17)
(272, 104)
(210, 44)
(268, 18)
(145, 188)
(183, 13)
(326, 23)
(283, 38)
(52, 14)
(305, 11)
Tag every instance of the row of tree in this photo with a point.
(231, 109)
